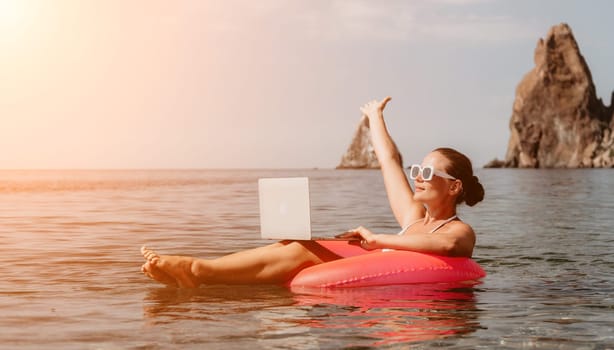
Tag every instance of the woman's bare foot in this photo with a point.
(176, 271)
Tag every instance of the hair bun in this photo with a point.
(474, 192)
(460, 167)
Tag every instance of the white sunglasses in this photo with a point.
(427, 173)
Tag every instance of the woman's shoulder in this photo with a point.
(458, 226)
(464, 236)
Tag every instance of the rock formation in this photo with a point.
(360, 154)
(557, 119)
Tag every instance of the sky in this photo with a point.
(269, 83)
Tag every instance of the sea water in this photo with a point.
(70, 264)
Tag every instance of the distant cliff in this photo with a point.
(557, 120)
(360, 153)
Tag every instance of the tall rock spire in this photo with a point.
(360, 153)
(557, 119)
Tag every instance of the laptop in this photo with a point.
(285, 210)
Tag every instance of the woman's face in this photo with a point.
(438, 189)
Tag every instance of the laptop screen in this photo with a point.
(284, 208)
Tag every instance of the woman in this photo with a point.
(428, 217)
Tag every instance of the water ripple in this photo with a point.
(70, 265)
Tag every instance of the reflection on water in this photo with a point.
(372, 316)
(69, 262)
(393, 314)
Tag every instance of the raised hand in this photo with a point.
(375, 108)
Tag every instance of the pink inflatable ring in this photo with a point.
(361, 268)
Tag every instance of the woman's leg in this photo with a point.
(275, 263)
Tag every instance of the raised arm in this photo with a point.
(400, 195)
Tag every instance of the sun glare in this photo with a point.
(12, 17)
(11, 12)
